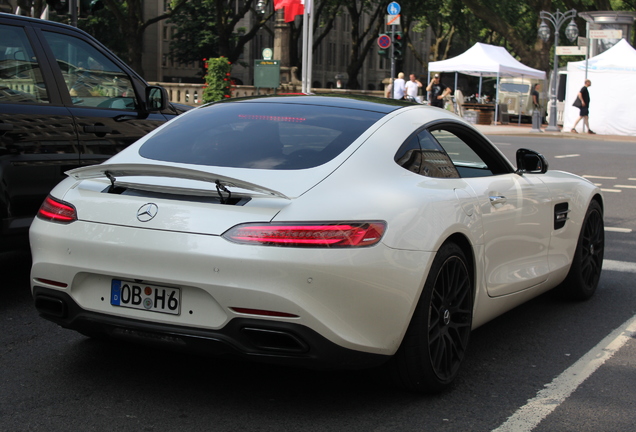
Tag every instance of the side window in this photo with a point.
(20, 76)
(465, 159)
(92, 79)
(422, 154)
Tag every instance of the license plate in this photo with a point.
(144, 296)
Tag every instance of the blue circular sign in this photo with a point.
(393, 8)
(384, 41)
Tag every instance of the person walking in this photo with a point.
(412, 87)
(583, 97)
(438, 91)
(398, 87)
(536, 103)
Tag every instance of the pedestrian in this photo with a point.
(583, 103)
(437, 91)
(412, 87)
(535, 96)
(398, 87)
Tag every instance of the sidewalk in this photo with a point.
(522, 129)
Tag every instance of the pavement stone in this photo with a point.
(525, 129)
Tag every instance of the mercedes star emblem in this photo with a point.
(147, 211)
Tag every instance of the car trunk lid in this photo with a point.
(169, 198)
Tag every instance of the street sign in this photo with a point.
(571, 50)
(393, 20)
(267, 73)
(393, 8)
(582, 41)
(384, 41)
(606, 34)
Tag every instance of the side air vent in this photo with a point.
(560, 215)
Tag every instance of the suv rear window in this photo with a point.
(259, 135)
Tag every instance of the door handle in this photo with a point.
(97, 129)
(497, 199)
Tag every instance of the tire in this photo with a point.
(435, 343)
(585, 271)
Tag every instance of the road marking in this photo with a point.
(625, 186)
(600, 177)
(632, 179)
(620, 230)
(567, 156)
(611, 190)
(619, 266)
(526, 418)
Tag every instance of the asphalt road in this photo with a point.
(52, 379)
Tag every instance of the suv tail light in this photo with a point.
(54, 210)
(308, 235)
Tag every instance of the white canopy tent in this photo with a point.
(485, 60)
(613, 76)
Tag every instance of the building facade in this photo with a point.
(329, 64)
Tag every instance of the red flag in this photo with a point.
(292, 8)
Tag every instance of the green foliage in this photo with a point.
(196, 36)
(217, 78)
(103, 25)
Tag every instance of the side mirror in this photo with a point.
(156, 98)
(529, 161)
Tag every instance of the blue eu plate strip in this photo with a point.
(115, 292)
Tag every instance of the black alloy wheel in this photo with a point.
(592, 248)
(585, 272)
(435, 343)
(450, 318)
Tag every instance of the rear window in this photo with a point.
(259, 135)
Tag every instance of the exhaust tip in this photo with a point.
(275, 340)
(50, 306)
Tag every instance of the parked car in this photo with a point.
(65, 101)
(516, 93)
(314, 231)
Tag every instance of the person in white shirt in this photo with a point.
(412, 86)
(398, 87)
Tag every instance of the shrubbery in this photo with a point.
(218, 82)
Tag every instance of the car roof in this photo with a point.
(361, 102)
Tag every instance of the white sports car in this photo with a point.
(313, 230)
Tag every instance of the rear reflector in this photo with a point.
(57, 211)
(337, 235)
(51, 282)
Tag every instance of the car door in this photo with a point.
(515, 210)
(101, 93)
(38, 142)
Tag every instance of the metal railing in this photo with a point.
(191, 94)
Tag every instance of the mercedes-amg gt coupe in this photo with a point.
(316, 231)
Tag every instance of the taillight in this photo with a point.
(57, 211)
(336, 235)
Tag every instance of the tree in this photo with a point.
(363, 38)
(208, 28)
(128, 15)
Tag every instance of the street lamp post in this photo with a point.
(571, 32)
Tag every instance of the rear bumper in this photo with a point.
(253, 339)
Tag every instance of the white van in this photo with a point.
(516, 92)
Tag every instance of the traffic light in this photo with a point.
(59, 6)
(397, 45)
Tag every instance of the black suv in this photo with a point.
(65, 101)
